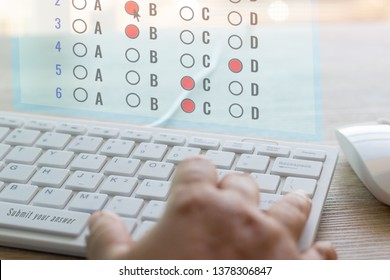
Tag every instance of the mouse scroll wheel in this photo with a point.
(383, 121)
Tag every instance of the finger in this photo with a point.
(243, 184)
(292, 212)
(108, 238)
(320, 251)
(196, 171)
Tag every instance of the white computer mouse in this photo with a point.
(367, 149)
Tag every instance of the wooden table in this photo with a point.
(355, 64)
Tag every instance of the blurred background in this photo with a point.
(353, 10)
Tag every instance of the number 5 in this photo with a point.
(58, 69)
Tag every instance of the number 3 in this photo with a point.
(58, 23)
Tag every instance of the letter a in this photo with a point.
(98, 6)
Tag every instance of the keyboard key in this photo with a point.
(22, 137)
(25, 155)
(88, 162)
(117, 148)
(103, 132)
(45, 220)
(295, 167)
(85, 144)
(156, 170)
(153, 189)
(11, 122)
(57, 159)
(310, 154)
(293, 184)
(150, 151)
(40, 125)
(125, 206)
(137, 136)
(4, 149)
(238, 147)
(88, 202)
(221, 159)
(267, 183)
(122, 167)
(119, 185)
(170, 139)
(3, 132)
(84, 181)
(273, 151)
(50, 177)
(204, 143)
(253, 163)
(154, 210)
(178, 153)
(17, 173)
(52, 198)
(53, 140)
(18, 193)
(73, 129)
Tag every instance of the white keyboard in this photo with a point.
(55, 172)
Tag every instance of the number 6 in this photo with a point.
(59, 92)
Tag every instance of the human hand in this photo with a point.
(207, 219)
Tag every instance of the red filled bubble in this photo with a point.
(132, 31)
(132, 8)
(235, 65)
(187, 83)
(188, 105)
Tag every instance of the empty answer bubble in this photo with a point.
(80, 72)
(80, 50)
(132, 55)
(79, 26)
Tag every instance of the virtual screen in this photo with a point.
(233, 66)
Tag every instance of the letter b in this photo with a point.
(152, 9)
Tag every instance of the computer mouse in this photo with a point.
(367, 149)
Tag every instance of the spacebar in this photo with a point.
(39, 219)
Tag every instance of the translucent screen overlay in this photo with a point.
(233, 66)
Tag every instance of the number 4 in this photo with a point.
(58, 46)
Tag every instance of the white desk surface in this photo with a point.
(355, 65)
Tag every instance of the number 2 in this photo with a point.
(58, 3)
